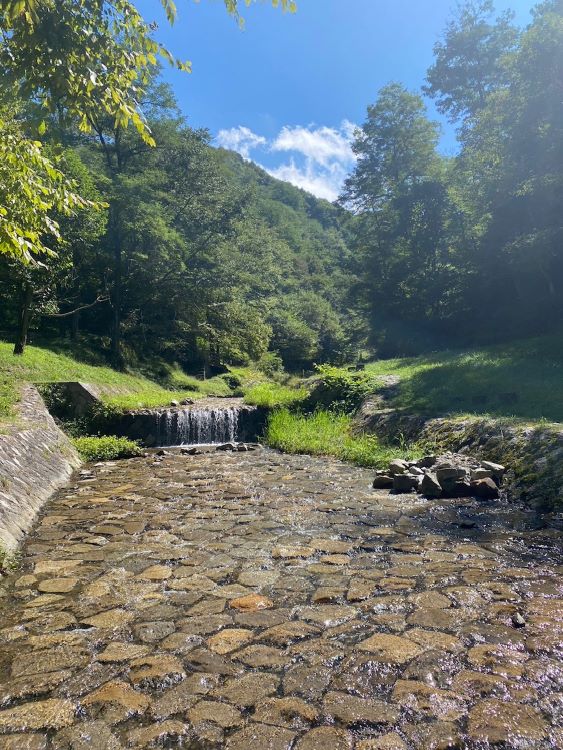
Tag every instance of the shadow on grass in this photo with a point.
(515, 386)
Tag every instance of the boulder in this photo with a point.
(383, 482)
(405, 482)
(497, 469)
(398, 466)
(485, 488)
(187, 402)
(174, 403)
(226, 447)
(430, 486)
(426, 462)
(456, 488)
(481, 474)
(189, 451)
(450, 473)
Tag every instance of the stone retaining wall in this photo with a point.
(532, 454)
(36, 458)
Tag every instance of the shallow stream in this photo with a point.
(256, 600)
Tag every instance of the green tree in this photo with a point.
(470, 59)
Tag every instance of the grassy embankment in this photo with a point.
(124, 390)
(521, 382)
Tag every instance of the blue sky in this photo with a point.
(287, 90)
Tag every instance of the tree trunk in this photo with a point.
(116, 353)
(75, 326)
(25, 318)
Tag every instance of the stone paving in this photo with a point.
(268, 602)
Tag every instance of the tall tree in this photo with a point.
(470, 59)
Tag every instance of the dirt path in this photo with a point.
(267, 602)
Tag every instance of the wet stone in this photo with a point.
(24, 742)
(261, 736)
(217, 713)
(53, 713)
(391, 649)
(88, 735)
(496, 721)
(351, 710)
(151, 610)
(248, 690)
(322, 738)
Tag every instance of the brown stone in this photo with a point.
(110, 619)
(352, 710)
(289, 553)
(156, 669)
(287, 633)
(428, 701)
(290, 712)
(121, 694)
(53, 713)
(261, 736)
(262, 656)
(497, 722)
(248, 690)
(229, 640)
(251, 602)
(391, 649)
(57, 585)
(217, 713)
(165, 731)
(390, 741)
(325, 738)
(118, 651)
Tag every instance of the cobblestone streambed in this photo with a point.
(254, 601)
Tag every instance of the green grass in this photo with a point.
(123, 390)
(273, 394)
(522, 380)
(326, 434)
(106, 448)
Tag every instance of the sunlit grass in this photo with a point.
(270, 395)
(326, 434)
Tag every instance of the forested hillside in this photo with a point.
(162, 247)
(195, 257)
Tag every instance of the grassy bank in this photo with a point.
(523, 380)
(326, 434)
(122, 390)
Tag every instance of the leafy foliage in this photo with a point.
(106, 448)
(341, 390)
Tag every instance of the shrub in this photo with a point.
(270, 364)
(106, 448)
(341, 390)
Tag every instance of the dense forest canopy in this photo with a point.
(121, 224)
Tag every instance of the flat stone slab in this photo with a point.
(257, 601)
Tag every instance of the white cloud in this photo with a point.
(321, 145)
(320, 157)
(240, 139)
(324, 183)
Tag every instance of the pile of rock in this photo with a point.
(449, 475)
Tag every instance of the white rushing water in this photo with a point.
(211, 426)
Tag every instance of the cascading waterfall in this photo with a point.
(193, 426)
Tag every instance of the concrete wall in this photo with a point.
(532, 454)
(36, 459)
